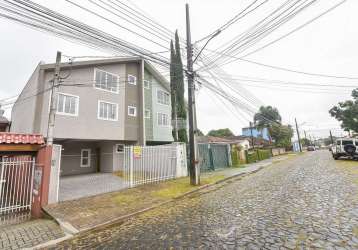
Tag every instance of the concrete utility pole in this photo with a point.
(53, 100)
(252, 137)
(330, 135)
(298, 135)
(306, 136)
(193, 168)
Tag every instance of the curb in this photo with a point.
(119, 220)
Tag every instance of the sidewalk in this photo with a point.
(84, 214)
(91, 212)
(29, 234)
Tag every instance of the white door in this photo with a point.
(55, 174)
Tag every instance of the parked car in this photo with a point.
(345, 147)
(311, 148)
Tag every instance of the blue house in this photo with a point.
(264, 133)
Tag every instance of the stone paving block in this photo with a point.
(309, 199)
(29, 234)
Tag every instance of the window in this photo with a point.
(146, 84)
(347, 143)
(163, 97)
(163, 119)
(132, 111)
(147, 114)
(67, 104)
(132, 80)
(85, 158)
(119, 148)
(107, 111)
(106, 81)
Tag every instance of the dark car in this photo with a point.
(311, 148)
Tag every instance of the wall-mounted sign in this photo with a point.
(137, 152)
(37, 180)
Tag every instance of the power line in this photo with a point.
(281, 82)
(262, 28)
(233, 20)
(296, 29)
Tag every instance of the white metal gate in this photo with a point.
(16, 184)
(149, 164)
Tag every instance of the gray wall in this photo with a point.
(71, 158)
(32, 115)
(148, 105)
(132, 99)
(24, 109)
(86, 125)
(109, 160)
(160, 133)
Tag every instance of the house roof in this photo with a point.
(14, 138)
(211, 139)
(4, 120)
(257, 141)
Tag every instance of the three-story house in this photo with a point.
(101, 106)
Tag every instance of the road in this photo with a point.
(307, 202)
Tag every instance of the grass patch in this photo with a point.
(119, 173)
(175, 188)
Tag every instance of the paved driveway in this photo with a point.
(79, 186)
(305, 203)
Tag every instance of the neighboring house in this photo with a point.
(263, 133)
(102, 105)
(295, 146)
(4, 122)
(259, 142)
(244, 143)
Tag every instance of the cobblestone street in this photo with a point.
(307, 202)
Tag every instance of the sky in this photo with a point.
(326, 46)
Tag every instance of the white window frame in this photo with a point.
(89, 157)
(99, 107)
(165, 104)
(148, 84)
(64, 113)
(135, 79)
(135, 111)
(161, 125)
(116, 149)
(145, 113)
(106, 90)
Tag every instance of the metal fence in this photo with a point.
(213, 156)
(16, 183)
(151, 164)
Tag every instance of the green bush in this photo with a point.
(251, 156)
(263, 154)
(257, 155)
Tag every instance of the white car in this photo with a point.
(345, 147)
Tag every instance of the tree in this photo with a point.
(266, 117)
(221, 132)
(281, 134)
(199, 132)
(347, 113)
(305, 142)
(177, 89)
(173, 85)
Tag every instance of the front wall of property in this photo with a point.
(160, 133)
(87, 125)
